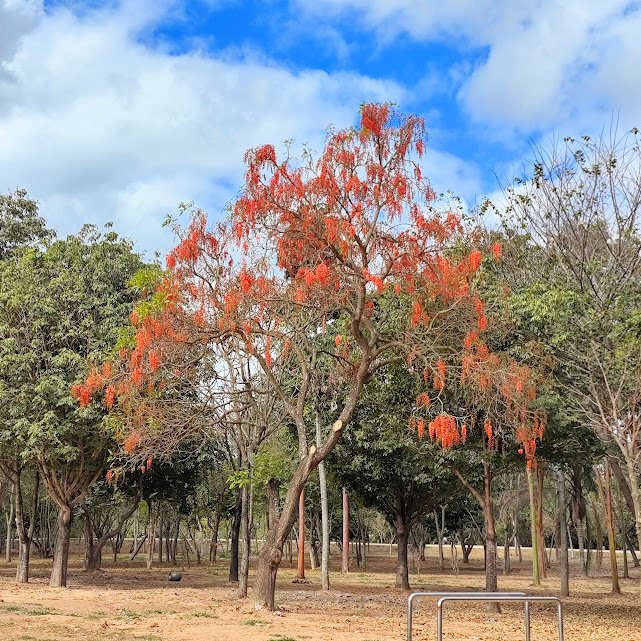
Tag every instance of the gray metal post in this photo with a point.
(414, 595)
(495, 599)
(527, 621)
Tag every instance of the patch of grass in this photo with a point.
(278, 637)
(129, 614)
(41, 611)
(95, 615)
(204, 615)
(251, 622)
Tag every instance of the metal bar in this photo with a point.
(495, 599)
(527, 621)
(410, 602)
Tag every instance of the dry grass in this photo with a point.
(124, 602)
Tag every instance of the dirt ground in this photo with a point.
(124, 602)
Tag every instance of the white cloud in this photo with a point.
(537, 64)
(99, 127)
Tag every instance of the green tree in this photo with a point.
(387, 465)
(59, 309)
(20, 224)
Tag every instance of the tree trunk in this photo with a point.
(9, 519)
(626, 572)
(539, 521)
(563, 538)
(578, 514)
(95, 547)
(605, 492)
(402, 567)
(91, 561)
(536, 577)
(439, 534)
(25, 536)
(245, 543)
(270, 556)
(491, 557)
(235, 532)
(363, 537)
(151, 533)
(322, 479)
(58, 577)
(213, 546)
(466, 548)
(301, 536)
(345, 567)
(636, 499)
(160, 532)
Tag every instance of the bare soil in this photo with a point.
(124, 602)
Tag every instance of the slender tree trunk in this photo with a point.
(235, 533)
(439, 534)
(213, 547)
(91, 563)
(245, 543)
(536, 577)
(322, 479)
(636, 499)
(363, 535)
(539, 521)
(160, 531)
(58, 577)
(345, 567)
(578, 514)
(10, 517)
(626, 572)
(301, 536)
(151, 533)
(563, 537)
(605, 492)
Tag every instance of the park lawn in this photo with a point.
(124, 602)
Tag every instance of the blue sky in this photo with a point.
(119, 110)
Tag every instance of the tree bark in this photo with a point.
(245, 543)
(539, 521)
(439, 534)
(235, 533)
(96, 546)
(536, 577)
(345, 567)
(605, 492)
(578, 514)
(402, 566)
(301, 536)
(563, 538)
(9, 519)
(25, 536)
(636, 499)
(213, 546)
(151, 533)
(58, 577)
(322, 479)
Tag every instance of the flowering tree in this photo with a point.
(347, 244)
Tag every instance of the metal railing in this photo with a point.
(415, 595)
(496, 598)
